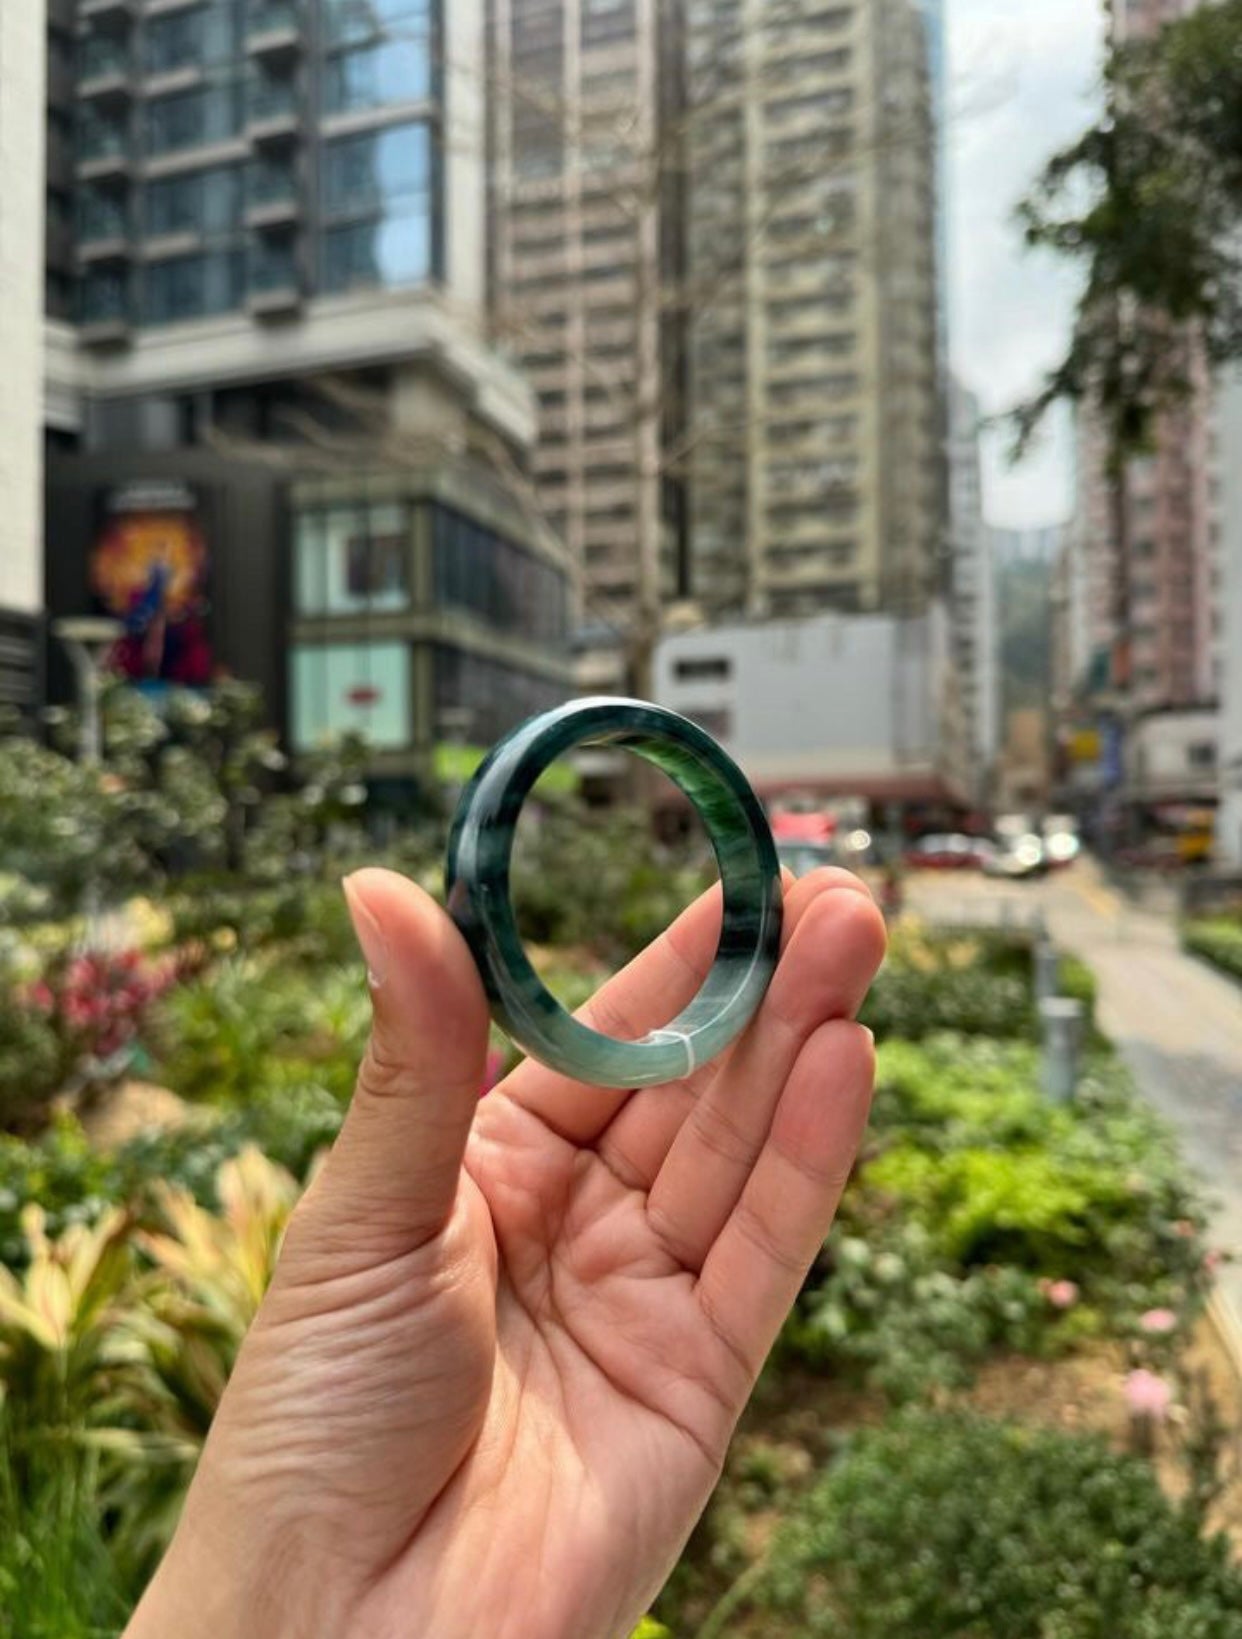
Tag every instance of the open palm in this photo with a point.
(496, 1375)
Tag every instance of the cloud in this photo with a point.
(1023, 80)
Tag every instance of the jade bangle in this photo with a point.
(479, 854)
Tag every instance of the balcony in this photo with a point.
(103, 157)
(273, 116)
(104, 246)
(274, 32)
(273, 202)
(277, 214)
(275, 282)
(107, 13)
(106, 72)
(106, 328)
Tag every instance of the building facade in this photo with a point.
(280, 258)
(815, 425)
(23, 69)
(831, 707)
(586, 267)
(972, 589)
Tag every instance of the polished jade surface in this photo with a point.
(479, 855)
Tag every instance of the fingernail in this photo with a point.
(370, 935)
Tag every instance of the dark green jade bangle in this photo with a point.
(479, 854)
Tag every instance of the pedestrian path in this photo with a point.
(1178, 1025)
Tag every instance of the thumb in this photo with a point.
(390, 1182)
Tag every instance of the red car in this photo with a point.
(952, 852)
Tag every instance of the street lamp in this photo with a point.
(88, 638)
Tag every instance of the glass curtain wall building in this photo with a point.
(279, 209)
(426, 617)
(249, 154)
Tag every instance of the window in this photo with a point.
(480, 573)
(477, 699)
(1202, 754)
(207, 202)
(201, 35)
(348, 22)
(352, 559)
(100, 216)
(700, 667)
(604, 21)
(382, 183)
(351, 688)
(395, 71)
(192, 287)
(103, 295)
(210, 114)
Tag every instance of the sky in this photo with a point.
(1022, 81)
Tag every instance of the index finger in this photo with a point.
(647, 993)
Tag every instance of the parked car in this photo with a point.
(949, 852)
(1016, 857)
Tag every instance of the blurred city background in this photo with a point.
(860, 378)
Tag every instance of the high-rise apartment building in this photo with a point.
(586, 182)
(279, 256)
(972, 586)
(815, 422)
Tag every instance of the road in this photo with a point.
(1176, 1022)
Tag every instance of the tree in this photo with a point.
(1148, 201)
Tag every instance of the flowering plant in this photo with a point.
(98, 1002)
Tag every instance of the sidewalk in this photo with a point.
(1178, 1025)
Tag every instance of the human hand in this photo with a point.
(493, 1382)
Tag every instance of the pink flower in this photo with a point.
(1062, 1294)
(42, 998)
(1158, 1322)
(1185, 1228)
(1212, 1260)
(1148, 1395)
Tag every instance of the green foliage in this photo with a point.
(30, 1052)
(909, 1004)
(974, 1195)
(200, 786)
(977, 983)
(76, 1183)
(889, 1309)
(1147, 202)
(953, 1526)
(599, 882)
(59, 1575)
(250, 1028)
(1217, 939)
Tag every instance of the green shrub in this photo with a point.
(75, 1182)
(1093, 1190)
(59, 1578)
(600, 882)
(910, 1003)
(939, 1526)
(30, 1057)
(972, 1192)
(1217, 940)
(249, 1028)
(889, 1310)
